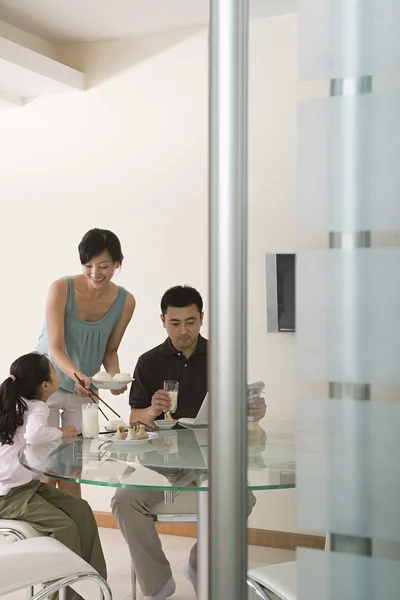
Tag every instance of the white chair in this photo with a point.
(19, 530)
(279, 580)
(46, 560)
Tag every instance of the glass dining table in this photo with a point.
(173, 461)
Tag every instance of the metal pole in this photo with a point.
(228, 257)
(202, 535)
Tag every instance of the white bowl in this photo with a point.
(111, 385)
(163, 424)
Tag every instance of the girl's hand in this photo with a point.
(118, 392)
(69, 431)
(80, 389)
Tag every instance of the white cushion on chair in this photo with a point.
(39, 560)
(25, 528)
(280, 579)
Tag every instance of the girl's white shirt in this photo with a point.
(35, 430)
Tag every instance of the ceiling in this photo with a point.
(61, 21)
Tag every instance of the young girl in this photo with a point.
(23, 420)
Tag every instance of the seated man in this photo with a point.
(183, 358)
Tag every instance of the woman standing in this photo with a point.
(86, 318)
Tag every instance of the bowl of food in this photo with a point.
(135, 435)
(161, 424)
(167, 422)
(105, 381)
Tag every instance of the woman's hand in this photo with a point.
(119, 392)
(83, 390)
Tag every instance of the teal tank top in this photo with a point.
(85, 342)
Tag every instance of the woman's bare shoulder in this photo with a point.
(130, 299)
(58, 294)
(130, 305)
(59, 285)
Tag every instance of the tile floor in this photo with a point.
(176, 549)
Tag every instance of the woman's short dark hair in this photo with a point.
(181, 296)
(28, 373)
(96, 241)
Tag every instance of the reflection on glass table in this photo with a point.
(174, 460)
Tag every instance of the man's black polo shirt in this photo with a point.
(165, 362)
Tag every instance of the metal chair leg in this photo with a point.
(258, 590)
(13, 533)
(62, 595)
(61, 584)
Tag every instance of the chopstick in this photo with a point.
(103, 401)
(91, 394)
(98, 404)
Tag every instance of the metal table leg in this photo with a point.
(202, 541)
(168, 497)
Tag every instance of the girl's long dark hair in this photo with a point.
(29, 371)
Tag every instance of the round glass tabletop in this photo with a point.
(174, 460)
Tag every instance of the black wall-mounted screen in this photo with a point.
(281, 292)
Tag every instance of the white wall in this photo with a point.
(272, 227)
(130, 154)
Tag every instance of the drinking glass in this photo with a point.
(172, 387)
(90, 421)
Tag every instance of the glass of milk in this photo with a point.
(90, 421)
(172, 387)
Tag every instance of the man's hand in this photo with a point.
(161, 401)
(256, 409)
